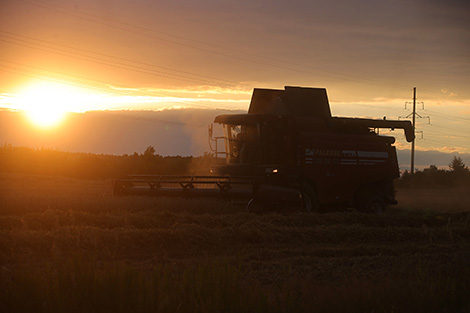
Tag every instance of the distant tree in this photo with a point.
(457, 165)
(433, 168)
(149, 152)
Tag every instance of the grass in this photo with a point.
(81, 285)
(69, 246)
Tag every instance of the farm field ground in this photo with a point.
(68, 245)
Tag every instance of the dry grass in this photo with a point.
(69, 246)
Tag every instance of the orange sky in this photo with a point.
(153, 55)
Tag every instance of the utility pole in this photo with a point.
(413, 122)
(414, 133)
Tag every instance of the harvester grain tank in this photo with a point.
(288, 151)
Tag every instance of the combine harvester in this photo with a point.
(288, 151)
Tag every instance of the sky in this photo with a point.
(65, 55)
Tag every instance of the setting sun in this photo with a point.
(46, 103)
(46, 114)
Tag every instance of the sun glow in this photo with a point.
(46, 104)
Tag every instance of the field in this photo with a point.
(68, 245)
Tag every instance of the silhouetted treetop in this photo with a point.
(150, 151)
(457, 165)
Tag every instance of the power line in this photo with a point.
(439, 142)
(82, 15)
(15, 68)
(83, 82)
(449, 136)
(453, 130)
(112, 56)
(125, 26)
(108, 60)
(450, 116)
(59, 8)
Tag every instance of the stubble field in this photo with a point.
(68, 245)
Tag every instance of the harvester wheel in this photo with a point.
(372, 204)
(307, 202)
(254, 207)
(309, 198)
(377, 205)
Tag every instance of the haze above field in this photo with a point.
(59, 56)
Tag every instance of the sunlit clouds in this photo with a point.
(46, 102)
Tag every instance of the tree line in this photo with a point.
(458, 174)
(99, 166)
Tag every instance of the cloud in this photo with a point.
(155, 99)
(448, 149)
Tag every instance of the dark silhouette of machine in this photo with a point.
(289, 152)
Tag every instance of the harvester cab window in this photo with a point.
(260, 143)
(241, 143)
(233, 142)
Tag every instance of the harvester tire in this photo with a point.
(372, 204)
(309, 198)
(377, 205)
(307, 202)
(254, 207)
